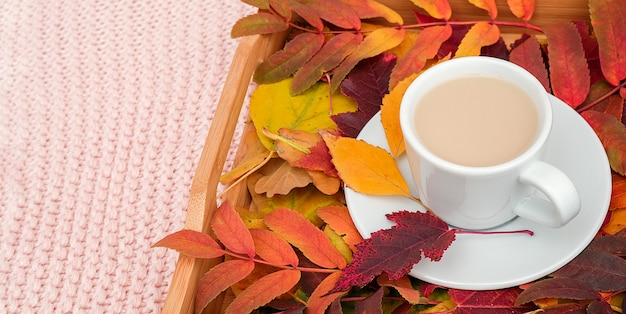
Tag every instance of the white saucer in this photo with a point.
(487, 262)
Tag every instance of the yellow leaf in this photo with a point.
(339, 243)
(273, 107)
(480, 35)
(617, 222)
(338, 218)
(390, 116)
(366, 168)
(439, 9)
(489, 5)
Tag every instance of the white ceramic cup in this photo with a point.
(485, 197)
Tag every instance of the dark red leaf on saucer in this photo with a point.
(488, 302)
(395, 250)
(612, 134)
(560, 288)
(601, 271)
(367, 84)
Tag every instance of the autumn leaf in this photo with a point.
(377, 42)
(263, 291)
(608, 18)
(488, 5)
(618, 192)
(403, 286)
(191, 243)
(327, 58)
(338, 218)
(320, 299)
(390, 116)
(273, 107)
(367, 9)
(258, 23)
(375, 172)
(612, 134)
(395, 251)
(480, 35)
(337, 241)
(488, 301)
(231, 231)
(612, 244)
(273, 248)
(335, 12)
(282, 8)
(371, 304)
(528, 55)
(617, 221)
(560, 288)
(307, 14)
(261, 4)
(218, 279)
(522, 9)
(280, 178)
(311, 241)
(426, 47)
(287, 61)
(569, 73)
(255, 156)
(367, 84)
(601, 271)
(439, 9)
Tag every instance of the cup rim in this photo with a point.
(407, 110)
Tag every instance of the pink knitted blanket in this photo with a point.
(104, 110)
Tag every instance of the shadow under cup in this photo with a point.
(473, 197)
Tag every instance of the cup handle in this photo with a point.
(564, 199)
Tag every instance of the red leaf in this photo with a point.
(569, 72)
(600, 270)
(308, 14)
(522, 9)
(426, 46)
(273, 248)
(612, 134)
(320, 298)
(192, 243)
(264, 290)
(396, 250)
(560, 288)
(608, 18)
(319, 159)
(220, 277)
(285, 62)
(371, 304)
(590, 46)
(528, 56)
(333, 11)
(613, 244)
(367, 84)
(488, 302)
(230, 229)
(259, 23)
(301, 233)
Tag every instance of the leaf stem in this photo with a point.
(291, 267)
(285, 140)
(600, 99)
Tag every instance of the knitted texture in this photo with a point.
(104, 109)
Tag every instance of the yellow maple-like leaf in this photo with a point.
(390, 116)
(273, 107)
(480, 35)
(366, 168)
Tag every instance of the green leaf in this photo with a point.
(259, 23)
(287, 61)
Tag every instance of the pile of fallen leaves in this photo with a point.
(296, 249)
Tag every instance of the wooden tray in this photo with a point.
(251, 51)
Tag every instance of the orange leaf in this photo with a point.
(280, 178)
(612, 134)
(439, 9)
(281, 7)
(617, 222)
(285, 62)
(261, 4)
(273, 248)
(488, 5)
(480, 35)
(377, 42)
(618, 193)
(301, 233)
(259, 23)
(522, 9)
(332, 53)
(334, 12)
(569, 72)
(426, 47)
(231, 231)
(324, 183)
(307, 13)
(191, 243)
(220, 277)
(390, 116)
(366, 168)
(338, 218)
(320, 299)
(528, 56)
(367, 9)
(608, 18)
(264, 290)
(403, 286)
